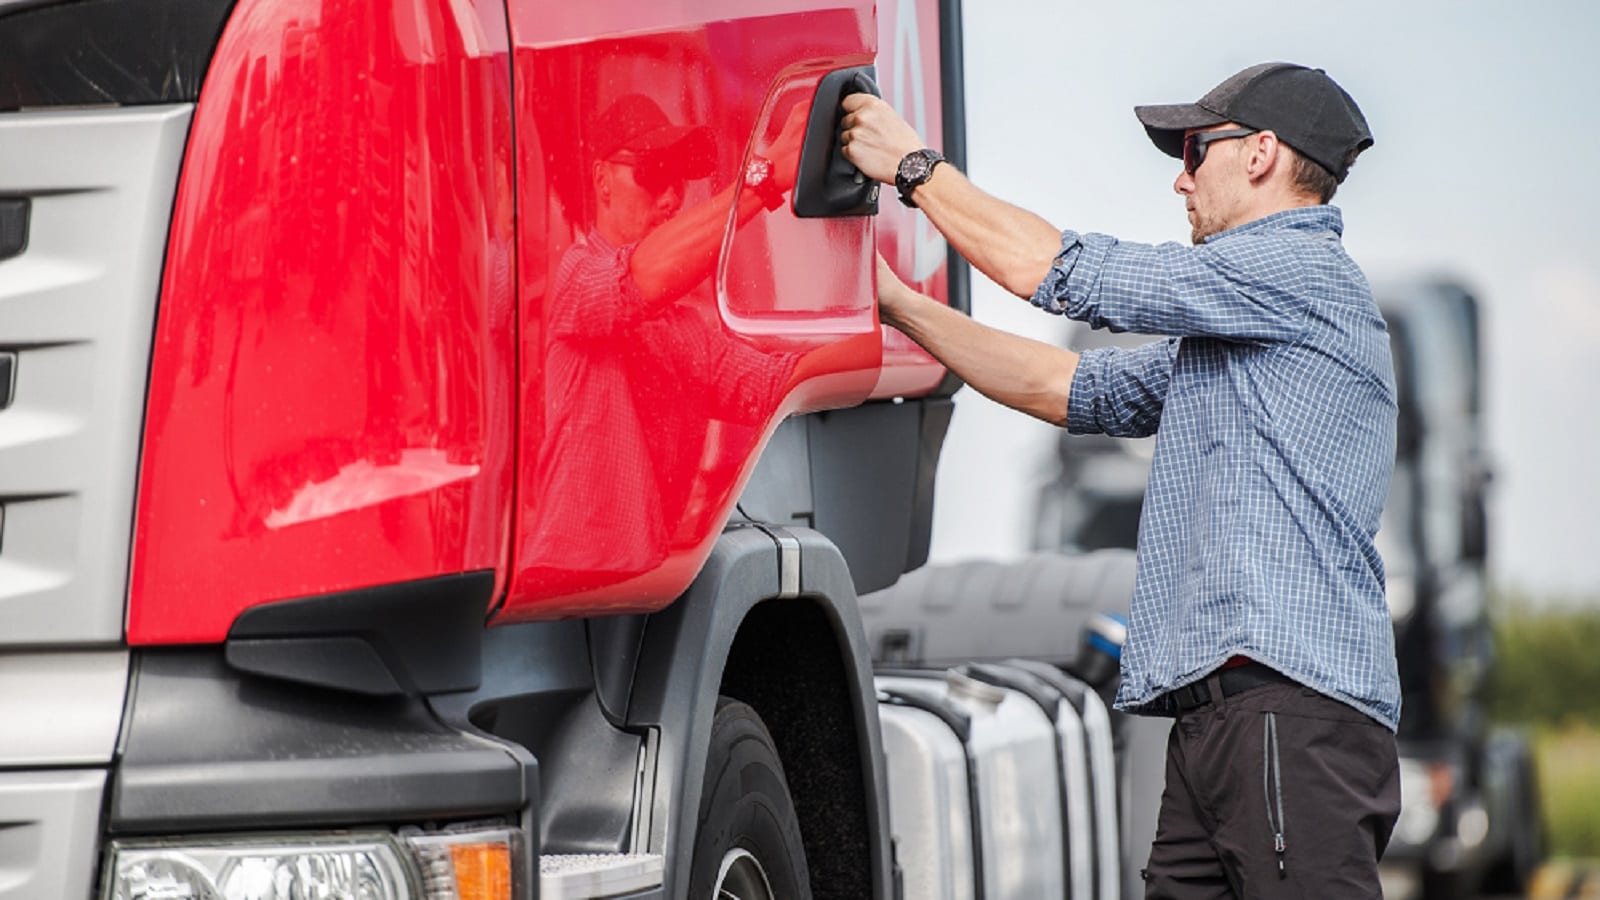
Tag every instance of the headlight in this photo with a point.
(1473, 825)
(357, 868)
(1419, 815)
(1401, 594)
(1426, 789)
(470, 865)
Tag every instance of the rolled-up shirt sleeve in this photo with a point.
(1243, 287)
(1119, 391)
(595, 295)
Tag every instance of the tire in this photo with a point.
(1511, 874)
(747, 843)
(1438, 885)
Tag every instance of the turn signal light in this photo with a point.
(472, 865)
(483, 871)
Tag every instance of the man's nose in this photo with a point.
(1184, 183)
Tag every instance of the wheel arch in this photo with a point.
(798, 655)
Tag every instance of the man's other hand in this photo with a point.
(875, 137)
(893, 294)
(785, 148)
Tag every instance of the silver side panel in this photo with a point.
(928, 810)
(1075, 799)
(49, 823)
(1103, 761)
(1017, 777)
(1013, 748)
(60, 709)
(79, 306)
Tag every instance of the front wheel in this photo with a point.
(1525, 850)
(747, 845)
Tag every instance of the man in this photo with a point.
(630, 330)
(1258, 618)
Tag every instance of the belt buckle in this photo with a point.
(1191, 696)
(1180, 700)
(1164, 704)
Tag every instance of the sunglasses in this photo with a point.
(654, 173)
(1194, 146)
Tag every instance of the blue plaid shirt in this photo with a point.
(1274, 411)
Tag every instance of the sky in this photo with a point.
(1486, 117)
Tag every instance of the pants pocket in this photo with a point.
(1328, 791)
(1272, 789)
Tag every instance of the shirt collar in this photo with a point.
(599, 244)
(1302, 218)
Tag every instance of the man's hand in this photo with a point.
(893, 295)
(1018, 372)
(785, 148)
(875, 138)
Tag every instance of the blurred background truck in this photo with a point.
(1470, 818)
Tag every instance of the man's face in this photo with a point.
(641, 193)
(1215, 192)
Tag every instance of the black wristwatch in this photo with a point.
(915, 169)
(758, 178)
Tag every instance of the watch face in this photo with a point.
(918, 167)
(915, 168)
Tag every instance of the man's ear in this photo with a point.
(600, 177)
(1264, 156)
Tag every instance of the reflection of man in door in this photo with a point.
(628, 348)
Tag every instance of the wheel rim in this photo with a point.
(740, 877)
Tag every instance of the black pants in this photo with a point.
(1276, 791)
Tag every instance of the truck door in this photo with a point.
(672, 307)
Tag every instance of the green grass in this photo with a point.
(1569, 788)
(1547, 677)
(1547, 662)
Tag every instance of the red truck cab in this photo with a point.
(434, 437)
(411, 325)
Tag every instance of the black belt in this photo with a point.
(1229, 681)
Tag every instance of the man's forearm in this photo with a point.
(682, 252)
(1027, 375)
(1012, 246)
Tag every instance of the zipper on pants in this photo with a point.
(1272, 787)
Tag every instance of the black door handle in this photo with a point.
(826, 184)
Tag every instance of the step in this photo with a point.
(587, 875)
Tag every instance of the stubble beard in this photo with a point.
(1205, 226)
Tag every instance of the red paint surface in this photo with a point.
(368, 370)
(645, 407)
(332, 385)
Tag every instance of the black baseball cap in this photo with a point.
(635, 123)
(1304, 107)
